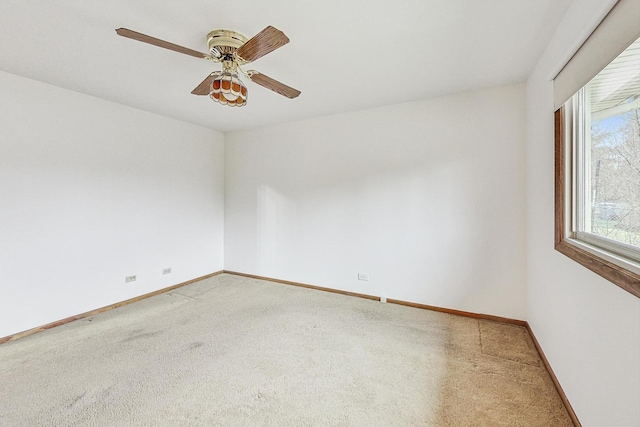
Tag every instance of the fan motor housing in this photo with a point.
(224, 42)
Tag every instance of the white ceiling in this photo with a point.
(344, 54)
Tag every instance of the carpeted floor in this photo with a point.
(232, 351)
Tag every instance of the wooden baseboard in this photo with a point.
(391, 301)
(102, 309)
(552, 374)
(303, 285)
(460, 312)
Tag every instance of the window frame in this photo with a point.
(596, 259)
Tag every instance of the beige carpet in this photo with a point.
(232, 351)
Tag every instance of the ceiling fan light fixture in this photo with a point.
(228, 89)
(233, 50)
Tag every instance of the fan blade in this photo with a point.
(204, 88)
(262, 43)
(274, 85)
(160, 43)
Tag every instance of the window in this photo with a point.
(598, 172)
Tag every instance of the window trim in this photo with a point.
(576, 250)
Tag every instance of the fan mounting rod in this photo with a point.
(225, 43)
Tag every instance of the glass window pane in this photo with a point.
(614, 103)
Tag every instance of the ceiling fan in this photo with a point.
(233, 50)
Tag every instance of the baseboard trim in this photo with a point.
(391, 301)
(460, 312)
(103, 309)
(303, 285)
(552, 374)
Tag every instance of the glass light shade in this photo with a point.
(228, 89)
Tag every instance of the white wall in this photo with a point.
(426, 197)
(588, 327)
(91, 192)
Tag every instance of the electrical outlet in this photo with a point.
(166, 270)
(363, 276)
(129, 279)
